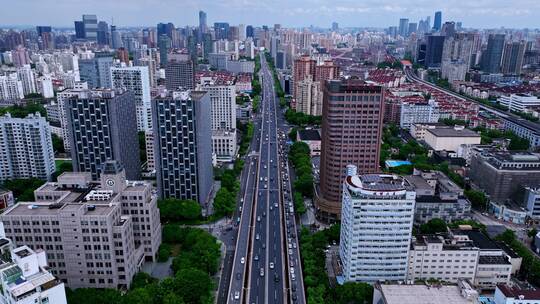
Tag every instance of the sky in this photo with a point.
(289, 13)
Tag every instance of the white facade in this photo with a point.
(26, 147)
(137, 80)
(376, 227)
(26, 280)
(46, 86)
(61, 98)
(223, 100)
(11, 87)
(309, 97)
(532, 201)
(450, 139)
(519, 102)
(412, 113)
(27, 78)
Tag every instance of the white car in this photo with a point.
(242, 260)
(262, 272)
(271, 265)
(237, 295)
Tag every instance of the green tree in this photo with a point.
(194, 286)
(139, 296)
(433, 226)
(23, 189)
(58, 144)
(477, 198)
(224, 202)
(352, 292)
(93, 296)
(21, 111)
(141, 279)
(178, 210)
(142, 146)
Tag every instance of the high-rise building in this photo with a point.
(303, 67)
(90, 27)
(351, 131)
(116, 39)
(46, 35)
(164, 44)
(28, 79)
(250, 31)
(79, 30)
(208, 45)
(165, 29)
(413, 28)
(203, 28)
(26, 147)
(492, 56)
(103, 36)
(11, 87)
(25, 276)
(335, 26)
(97, 233)
(137, 80)
(183, 145)
(457, 56)
(179, 72)
(403, 28)
(308, 96)
(376, 226)
(223, 102)
(96, 71)
(103, 126)
(434, 50)
(512, 59)
(448, 29)
(221, 30)
(437, 22)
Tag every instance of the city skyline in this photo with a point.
(320, 13)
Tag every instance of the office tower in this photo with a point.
(203, 29)
(221, 30)
(165, 29)
(27, 78)
(403, 29)
(242, 32)
(96, 71)
(250, 31)
(351, 130)
(97, 232)
(137, 80)
(223, 103)
(46, 37)
(274, 46)
(457, 56)
(233, 33)
(512, 59)
(413, 28)
(376, 226)
(303, 67)
(79, 30)
(281, 60)
(43, 29)
(335, 26)
(492, 56)
(437, 22)
(434, 50)
(90, 27)
(183, 145)
(116, 39)
(103, 33)
(179, 73)
(208, 45)
(164, 44)
(26, 147)
(448, 29)
(103, 126)
(11, 87)
(123, 55)
(193, 50)
(25, 276)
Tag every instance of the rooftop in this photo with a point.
(493, 260)
(517, 293)
(479, 239)
(311, 134)
(452, 132)
(423, 294)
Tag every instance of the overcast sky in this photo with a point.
(290, 13)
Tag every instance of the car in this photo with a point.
(265, 186)
(293, 276)
(294, 288)
(271, 265)
(258, 218)
(261, 179)
(292, 269)
(265, 166)
(256, 258)
(242, 260)
(290, 251)
(264, 245)
(240, 209)
(238, 275)
(262, 272)
(276, 278)
(264, 213)
(275, 205)
(294, 297)
(266, 179)
(237, 295)
(291, 263)
(294, 245)
(257, 236)
(271, 208)
(290, 246)
(260, 193)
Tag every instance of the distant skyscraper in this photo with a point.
(183, 145)
(116, 39)
(437, 23)
(179, 73)
(335, 26)
(203, 29)
(434, 50)
(137, 80)
(221, 30)
(79, 30)
(413, 28)
(165, 29)
(492, 56)
(249, 31)
(164, 44)
(512, 59)
(90, 27)
(403, 29)
(26, 146)
(103, 33)
(208, 45)
(448, 29)
(103, 126)
(376, 226)
(347, 138)
(96, 71)
(28, 79)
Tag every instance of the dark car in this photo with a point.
(238, 275)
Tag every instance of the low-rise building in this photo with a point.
(395, 293)
(450, 138)
(437, 197)
(312, 138)
(6, 199)
(25, 277)
(506, 294)
(96, 234)
(518, 102)
(532, 201)
(418, 130)
(418, 112)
